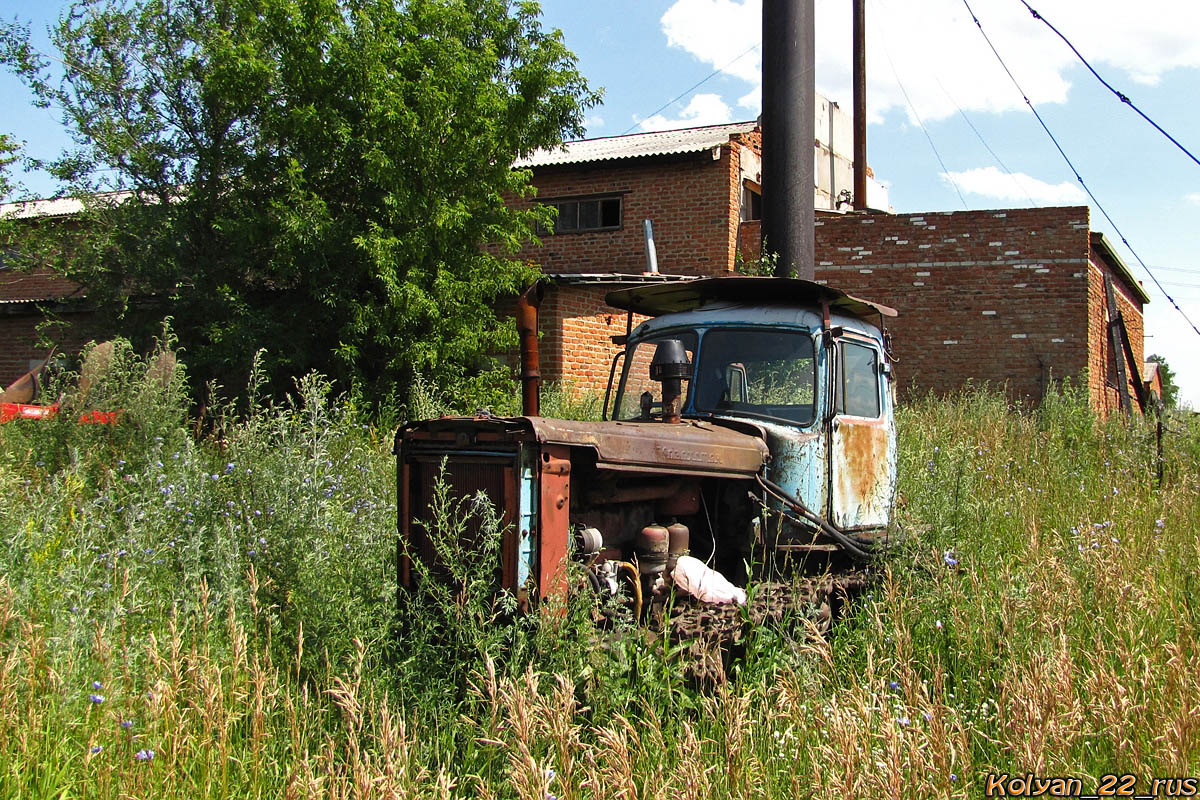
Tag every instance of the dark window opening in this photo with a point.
(751, 204)
(585, 214)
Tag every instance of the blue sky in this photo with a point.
(927, 63)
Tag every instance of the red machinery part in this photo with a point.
(12, 411)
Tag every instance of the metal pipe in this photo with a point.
(854, 548)
(651, 250)
(860, 105)
(788, 103)
(527, 327)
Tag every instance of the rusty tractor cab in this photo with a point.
(749, 421)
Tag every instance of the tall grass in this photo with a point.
(215, 617)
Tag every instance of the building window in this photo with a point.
(751, 205)
(585, 214)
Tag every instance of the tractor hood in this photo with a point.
(691, 447)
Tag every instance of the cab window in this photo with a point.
(858, 392)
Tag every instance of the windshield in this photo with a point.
(640, 397)
(761, 373)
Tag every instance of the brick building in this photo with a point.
(1011, 297)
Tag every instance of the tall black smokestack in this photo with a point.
(789, 98)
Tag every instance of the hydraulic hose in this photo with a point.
(848, 544)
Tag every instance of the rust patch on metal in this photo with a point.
(860, 463)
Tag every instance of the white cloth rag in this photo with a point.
(693, 577)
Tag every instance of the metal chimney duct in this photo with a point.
(788, 103)
(860, 105)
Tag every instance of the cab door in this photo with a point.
(862, 464)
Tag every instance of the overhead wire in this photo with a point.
(1120, 95)
(913, 110)
(985, 144)
(694, 86)
(1078, 177)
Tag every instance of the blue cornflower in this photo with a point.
(949, 558)
(97, 685)
(229, 468)
(96, 698)
(215, 477)
(144, 755)
(126, 724)
(893, 685)
(96, 749)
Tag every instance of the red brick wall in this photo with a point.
(692, 200)
(1103, 391)
(19, 339)
(1009, 298)
(577, 329)
(988, 296)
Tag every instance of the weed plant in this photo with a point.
(216, 617)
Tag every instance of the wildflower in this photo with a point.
(1159, 523)
(953, 777)
(893, 685)
(149, 695)
(903, 722)
(215, 477)
(126, 724)
(97, 685)
(229, 468)
(120, 462)
(937, 624)
(97, 748)
(96, 698)
(144, 755)
(949, 558)
(158, 438)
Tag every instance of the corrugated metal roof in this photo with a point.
(636, 145)
(56, 207)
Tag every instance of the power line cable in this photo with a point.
(913, 110)
(983, 141)
(1120, 95)
(1078, 177)
(694, 87)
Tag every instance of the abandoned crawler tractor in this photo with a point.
(748, 424)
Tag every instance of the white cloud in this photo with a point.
(594, 121)
(935, 50)
(1193, 198)
(704, 109)
(1015, 188)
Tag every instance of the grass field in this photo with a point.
(214, 616)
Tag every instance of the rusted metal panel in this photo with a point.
(691, 447)
(653, 300)
(554, 509)
(863, 469)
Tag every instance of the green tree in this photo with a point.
(1170, 391)
(323, 178)
(8, 156)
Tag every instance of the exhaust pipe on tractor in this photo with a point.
(527, 328)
